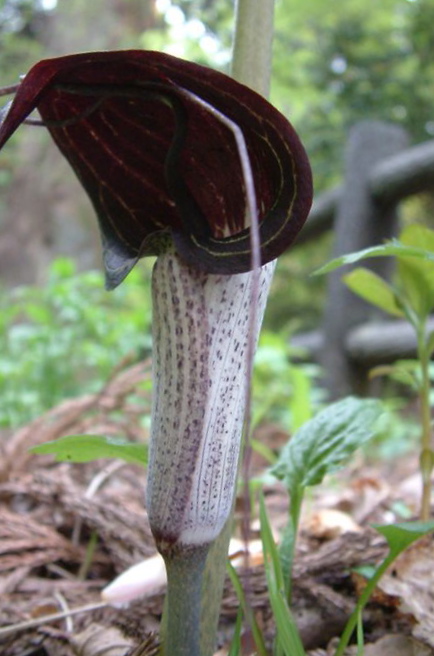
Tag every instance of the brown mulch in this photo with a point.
(52, 513)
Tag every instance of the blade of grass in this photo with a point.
(288, 639)
(248, 613)
(235, 647)
(360, 635)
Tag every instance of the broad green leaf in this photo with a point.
(83, 448)
(323, 444)
(369, 286)
(417, 286)
(390, 249)
(400, 536)
(418, 236)
(416, 275)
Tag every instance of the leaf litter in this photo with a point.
(60, 545)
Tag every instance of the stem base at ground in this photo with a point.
(185, 569)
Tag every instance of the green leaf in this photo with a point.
(406, 372)
(263, 450)
(417, 286)
(369, 286)
(235, 646)
(416, 275)
(360, 635)
(271, 554)
(323, 444)
(400, 536)
(367, 571)
(300, 398)
(247, 610)
(415, 256)
(390, 249)
(288, 637)
(83, 448)
(418, 236)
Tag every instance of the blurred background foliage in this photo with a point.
(67, 338)
(334, 65)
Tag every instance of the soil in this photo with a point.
(67, 530)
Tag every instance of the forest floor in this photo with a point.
(51, 512)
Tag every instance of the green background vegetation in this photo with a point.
(333, 64)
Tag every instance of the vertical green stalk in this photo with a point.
(363, 600)
(184, 582)
(251, 65)
(289, 539)
(212, 589)
(426, 454)
(252, 54)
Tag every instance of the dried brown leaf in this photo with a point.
(98, 640)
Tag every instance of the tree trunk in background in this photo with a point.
(44, 214)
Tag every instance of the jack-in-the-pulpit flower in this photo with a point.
(164, 175)
(158, 166)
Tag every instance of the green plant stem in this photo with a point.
(287, 549)
(426, 454)
(185, 570)
(360, 635)
(212, 588)
(252, 54)
(251, 65)
(363, 600)
(248, 612)
(88, 557)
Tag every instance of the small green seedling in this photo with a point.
(410, 296)
(320, 447)
(399, 537)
